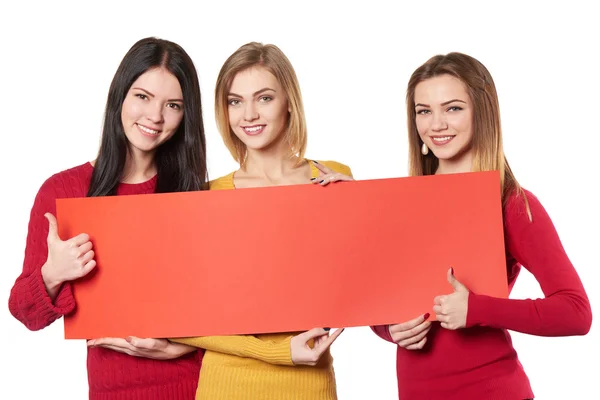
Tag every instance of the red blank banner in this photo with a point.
(283, 259)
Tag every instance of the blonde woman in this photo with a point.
(454, 127)
(260, 115)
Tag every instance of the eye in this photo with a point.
(455, 108)
(174, 106)
(265, 99)
(233, 102)
(141, 96)
(423, 112)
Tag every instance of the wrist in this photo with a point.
(179, 349)
(50, 281)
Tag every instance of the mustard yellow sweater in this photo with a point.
(260, 367)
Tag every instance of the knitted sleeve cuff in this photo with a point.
(48, 311)
(476, 309)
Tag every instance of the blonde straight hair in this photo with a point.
(274, 60)
(488, 152)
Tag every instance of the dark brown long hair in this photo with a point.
(180, 161)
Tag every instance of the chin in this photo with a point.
(259, 144)
(444, 155)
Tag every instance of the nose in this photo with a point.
(439, 122)
(155, 113)
(250, 112)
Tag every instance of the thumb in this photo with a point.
(52, 227)
(458, 287)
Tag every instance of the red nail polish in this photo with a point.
(452, 270)
(426, 316)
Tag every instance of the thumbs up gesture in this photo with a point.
(67, 260)
(451, 309)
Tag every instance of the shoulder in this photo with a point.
(223, 183)
(525, 208)
(336, 166)
(72, 182)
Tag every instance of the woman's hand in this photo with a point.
(451, 310)
(303, 353)
(411, 335)
(327, 175)
(67, 260)
(158, 349)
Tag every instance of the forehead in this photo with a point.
(252, 79)
(159, 81)
(440, 89)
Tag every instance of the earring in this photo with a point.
(424, 149)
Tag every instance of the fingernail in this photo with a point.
(426, 316)
(452, 270)
(315, 161)
(322, 181)
(327, 329)
(312, 179)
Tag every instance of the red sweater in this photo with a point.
(111, 375)
(479, 362)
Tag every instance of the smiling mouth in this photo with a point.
(440, 140)
(254, 129)
(147, 131)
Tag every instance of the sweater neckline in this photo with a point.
(147, 183)
(314, 172)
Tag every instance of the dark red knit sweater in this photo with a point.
(111, 375)
(479, 362)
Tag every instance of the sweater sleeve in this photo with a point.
(383, 331)
(29, 301)
(565, 309)
(246, 346)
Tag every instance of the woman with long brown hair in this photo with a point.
(467, 353)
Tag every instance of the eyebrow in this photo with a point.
(443, 104)
(255, 93)
(150, 94)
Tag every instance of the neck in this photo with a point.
(459, 164)
(139, 167)
(272, 163)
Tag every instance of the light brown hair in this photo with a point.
(488, 152)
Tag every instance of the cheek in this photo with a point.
(422, 125)
(234, 115)
(462, 124)
(131, 110)
(173, 119)
(125, 110)
(278, 115)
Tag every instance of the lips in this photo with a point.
(254, 129)
(441, 140)
(147, 131)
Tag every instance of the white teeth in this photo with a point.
(253, 128)
(441, 139)
(148, 130)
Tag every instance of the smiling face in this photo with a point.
(444, 118)
(258, 108)
(152, 110)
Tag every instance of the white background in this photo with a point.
(353, 60)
